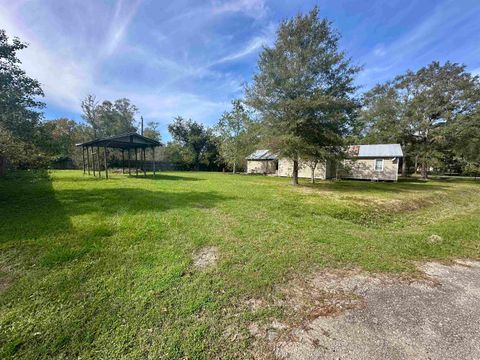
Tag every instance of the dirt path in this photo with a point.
(385, 318)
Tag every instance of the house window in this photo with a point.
(378, 164)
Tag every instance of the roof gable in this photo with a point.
(262, 155)
(124, 141)
(376, 150)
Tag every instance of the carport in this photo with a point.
(131, 142)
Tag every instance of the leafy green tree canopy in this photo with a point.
(19, 93)
(19, 105)
(109, 118)
(235, 134)
(151, 131)
(416, 109)
(191, 135)
(304, 90)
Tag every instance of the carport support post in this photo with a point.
(136, 162)
(98, 162)
(88, 161)
(143, 163)
(83, 158)
(105, 160)
(123, 161)
(94, 165)
(153, 158)
(129, 168)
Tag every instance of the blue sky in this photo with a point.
(191, 58)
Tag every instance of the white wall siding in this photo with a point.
(285, 168)
(261, 167)
(364, 168)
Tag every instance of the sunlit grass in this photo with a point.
(103, 269)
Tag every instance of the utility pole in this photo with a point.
(141, 118)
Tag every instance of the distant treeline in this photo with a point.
(301, 103)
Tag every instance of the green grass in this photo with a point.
(103, 269)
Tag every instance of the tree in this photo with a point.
(191, 135)
(151, 131)
(211, 157)
(384, 119)
(11, 148)
(109, 118)
(304, 88)
(416, 109)
(90, 113)
(19, 105)
(124, 116)
(235, 136)
(59, 137)
(314, 155)
(466, 134)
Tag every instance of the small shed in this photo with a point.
(262, 162)
(132, 143)
(373, 162)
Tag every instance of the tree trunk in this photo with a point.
(196, 165)
(404, 166)
(234, 168)
(295, 172)
(313, 174)
(424, 170)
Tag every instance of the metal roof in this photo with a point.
(376, 150)
(124, 141)
(262, 155)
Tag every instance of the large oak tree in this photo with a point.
(19, 104)
(418, 108)
(304, 90)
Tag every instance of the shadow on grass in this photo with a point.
(115, 177)
(375, 187)
(31, 209)
(161, 176)
(131, 201)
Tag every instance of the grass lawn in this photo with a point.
(103, 269)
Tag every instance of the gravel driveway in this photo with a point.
(436, 318)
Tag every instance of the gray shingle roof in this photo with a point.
(262, 155)
(376, 150)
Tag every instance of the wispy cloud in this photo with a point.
(253, 46)
(253, 8)
(64, 80)
(191, 57)
(431, 36)
(121, 19)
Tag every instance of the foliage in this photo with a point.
(116, 118)
(19, 107)
(151, 131)
(58, 137)
(90, 114)
(11, 148)
(416, 109)
(466, 144)
(18, 93)
(109, 118)
(235, 131)
(193, 136)
(304, 88)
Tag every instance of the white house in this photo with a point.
(366, 162)
(373, 162)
